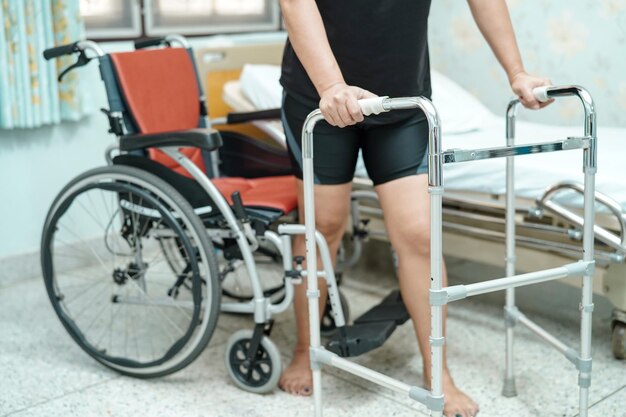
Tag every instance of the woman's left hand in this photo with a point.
(522, 85)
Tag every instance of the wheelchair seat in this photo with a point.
(265, 199)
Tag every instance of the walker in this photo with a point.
(363, 336)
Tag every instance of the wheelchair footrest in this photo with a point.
(390, 309)
(358, 339)
(371, 329)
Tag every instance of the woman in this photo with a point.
(340, 51)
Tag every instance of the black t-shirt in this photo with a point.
(380, 45)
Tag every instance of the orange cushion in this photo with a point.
(279, 193)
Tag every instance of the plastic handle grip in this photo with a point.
(541, 93)
(371, 106)
(58, 51)
(148, 42)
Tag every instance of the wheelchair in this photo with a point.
(141, 256)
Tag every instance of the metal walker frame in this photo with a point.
(439, 295)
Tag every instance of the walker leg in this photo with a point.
(317, 392)
(586, 305)
(509, 389)
(437, 338)
(584, 375)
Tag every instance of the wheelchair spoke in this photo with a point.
(74, 247)
(90, 213)
(141, 292)
(108, 207)
(97, 316)
(87, 305)
(77, 296)
(98, 258)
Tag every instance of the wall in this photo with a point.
(36, 164)
(571, 42)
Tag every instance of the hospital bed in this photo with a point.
(549, 201)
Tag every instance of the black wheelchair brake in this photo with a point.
(82, 60)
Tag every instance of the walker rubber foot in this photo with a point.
(509, 389)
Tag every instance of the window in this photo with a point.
(112, 18)
(134, 18)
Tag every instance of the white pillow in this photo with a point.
(458, 109)
(259, 83)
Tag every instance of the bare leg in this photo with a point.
(332, 207)
(405, 203)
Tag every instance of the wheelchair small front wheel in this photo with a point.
(260, 374)
(618, 340)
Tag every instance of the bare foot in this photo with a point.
(457, 403)
(297, 378)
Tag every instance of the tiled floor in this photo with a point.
(43, 373)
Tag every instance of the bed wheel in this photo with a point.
(327, 324)
(262, 375)
(618, 340)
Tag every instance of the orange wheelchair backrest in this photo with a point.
(160, 89)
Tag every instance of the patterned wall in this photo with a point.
(571, 42)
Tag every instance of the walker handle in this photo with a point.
(541, 93)
(373, 105)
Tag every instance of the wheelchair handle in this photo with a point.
(72, 48)
(148, 42)
(162, 41)
(62, 50)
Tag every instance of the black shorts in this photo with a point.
(390, 151)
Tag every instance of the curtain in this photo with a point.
(30, 95)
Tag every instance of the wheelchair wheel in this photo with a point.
(327, 324)
(108, 278)
(262, 375)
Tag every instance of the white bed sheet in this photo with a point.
(534, 173)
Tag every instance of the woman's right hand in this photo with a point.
(339, 104)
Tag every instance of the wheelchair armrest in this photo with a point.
(207, 139)
(235, 118)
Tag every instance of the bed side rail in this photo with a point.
(547, 202)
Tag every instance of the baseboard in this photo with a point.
(15, 268)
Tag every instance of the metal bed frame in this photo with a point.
(439, 295)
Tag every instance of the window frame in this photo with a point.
(143, 25)
(136, 31)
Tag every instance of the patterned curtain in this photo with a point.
(30, 95)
